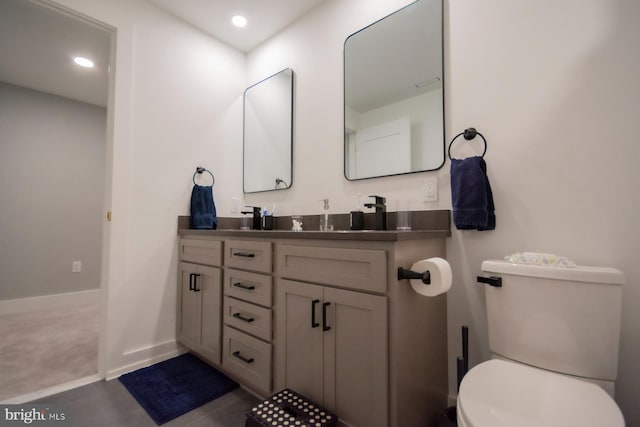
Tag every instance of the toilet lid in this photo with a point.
(499, 393)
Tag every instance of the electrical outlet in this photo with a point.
(431, 190)
(76, 266)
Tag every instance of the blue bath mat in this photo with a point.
(176, 386)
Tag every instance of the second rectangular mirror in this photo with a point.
(268, 134)
(393, 94)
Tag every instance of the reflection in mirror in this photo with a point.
(268, 133)
(393, 94)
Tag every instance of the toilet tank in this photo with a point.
(561, 319)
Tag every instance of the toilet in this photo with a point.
(554, 335)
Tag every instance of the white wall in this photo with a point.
(50, 211)
(553, 87)
(178, 104)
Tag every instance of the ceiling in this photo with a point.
(37, 43)
(37, 47)
(265, 17)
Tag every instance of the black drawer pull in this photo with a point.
(245, 254)
(325, 327)
(491, 281)
(314, 324)
(244, 319)
(244, 359)
(243, 286)
(191, 277)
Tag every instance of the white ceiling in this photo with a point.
(37, 44)
(37, 47)
(265, 17)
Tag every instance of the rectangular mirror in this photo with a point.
(393, 94)
(268, 134)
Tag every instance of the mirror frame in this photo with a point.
(344, 104)
(244, 133)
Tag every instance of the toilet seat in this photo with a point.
(499, 393)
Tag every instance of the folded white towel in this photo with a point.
(535, 258)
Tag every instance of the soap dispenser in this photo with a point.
(325, 218)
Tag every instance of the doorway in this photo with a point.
(54, 167)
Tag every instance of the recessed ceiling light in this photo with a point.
(239, 21)
(83, 62)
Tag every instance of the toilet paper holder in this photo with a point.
(425, 277)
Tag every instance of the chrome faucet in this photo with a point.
(381, 212)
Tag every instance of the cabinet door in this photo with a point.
(188, 307)
(200, 309)
(299, 342)
(355, 357)
(209, 288)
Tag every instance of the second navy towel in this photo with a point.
(471, 196)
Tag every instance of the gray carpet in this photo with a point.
(47, 348)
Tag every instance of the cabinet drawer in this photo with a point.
(248, 255)
(247, 357)
(348, 268)
(252, 287)
(207, 252)
(247, 317)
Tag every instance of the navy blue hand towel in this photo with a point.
(471, 195)
(203, 208)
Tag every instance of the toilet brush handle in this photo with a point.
(465, 349)
(460, 371)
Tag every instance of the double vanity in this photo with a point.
(322, 313)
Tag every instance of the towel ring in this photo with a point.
(199, 170)
(469, 134)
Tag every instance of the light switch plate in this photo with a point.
(76, 266)
(235, 205)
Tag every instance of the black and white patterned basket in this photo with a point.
(289, 409)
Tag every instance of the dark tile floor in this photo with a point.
(109, 404)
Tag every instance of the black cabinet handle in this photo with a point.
(244, 254)
(244, 319)
(191, 277)
(325, 327)
(491, 281)
(241, 357)
(243, 286)
(314, 324)
(195, 283)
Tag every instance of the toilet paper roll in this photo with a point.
(441, 276)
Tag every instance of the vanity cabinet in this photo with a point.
(353, 337)
(325, 315)
(332, 348)
(199, 298)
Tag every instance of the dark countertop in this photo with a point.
(364, 235)
(426, 224)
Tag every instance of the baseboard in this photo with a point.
(50, 302)
(147, 356)
(40, 394)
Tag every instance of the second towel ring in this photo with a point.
(199, 170)
(469, 134)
